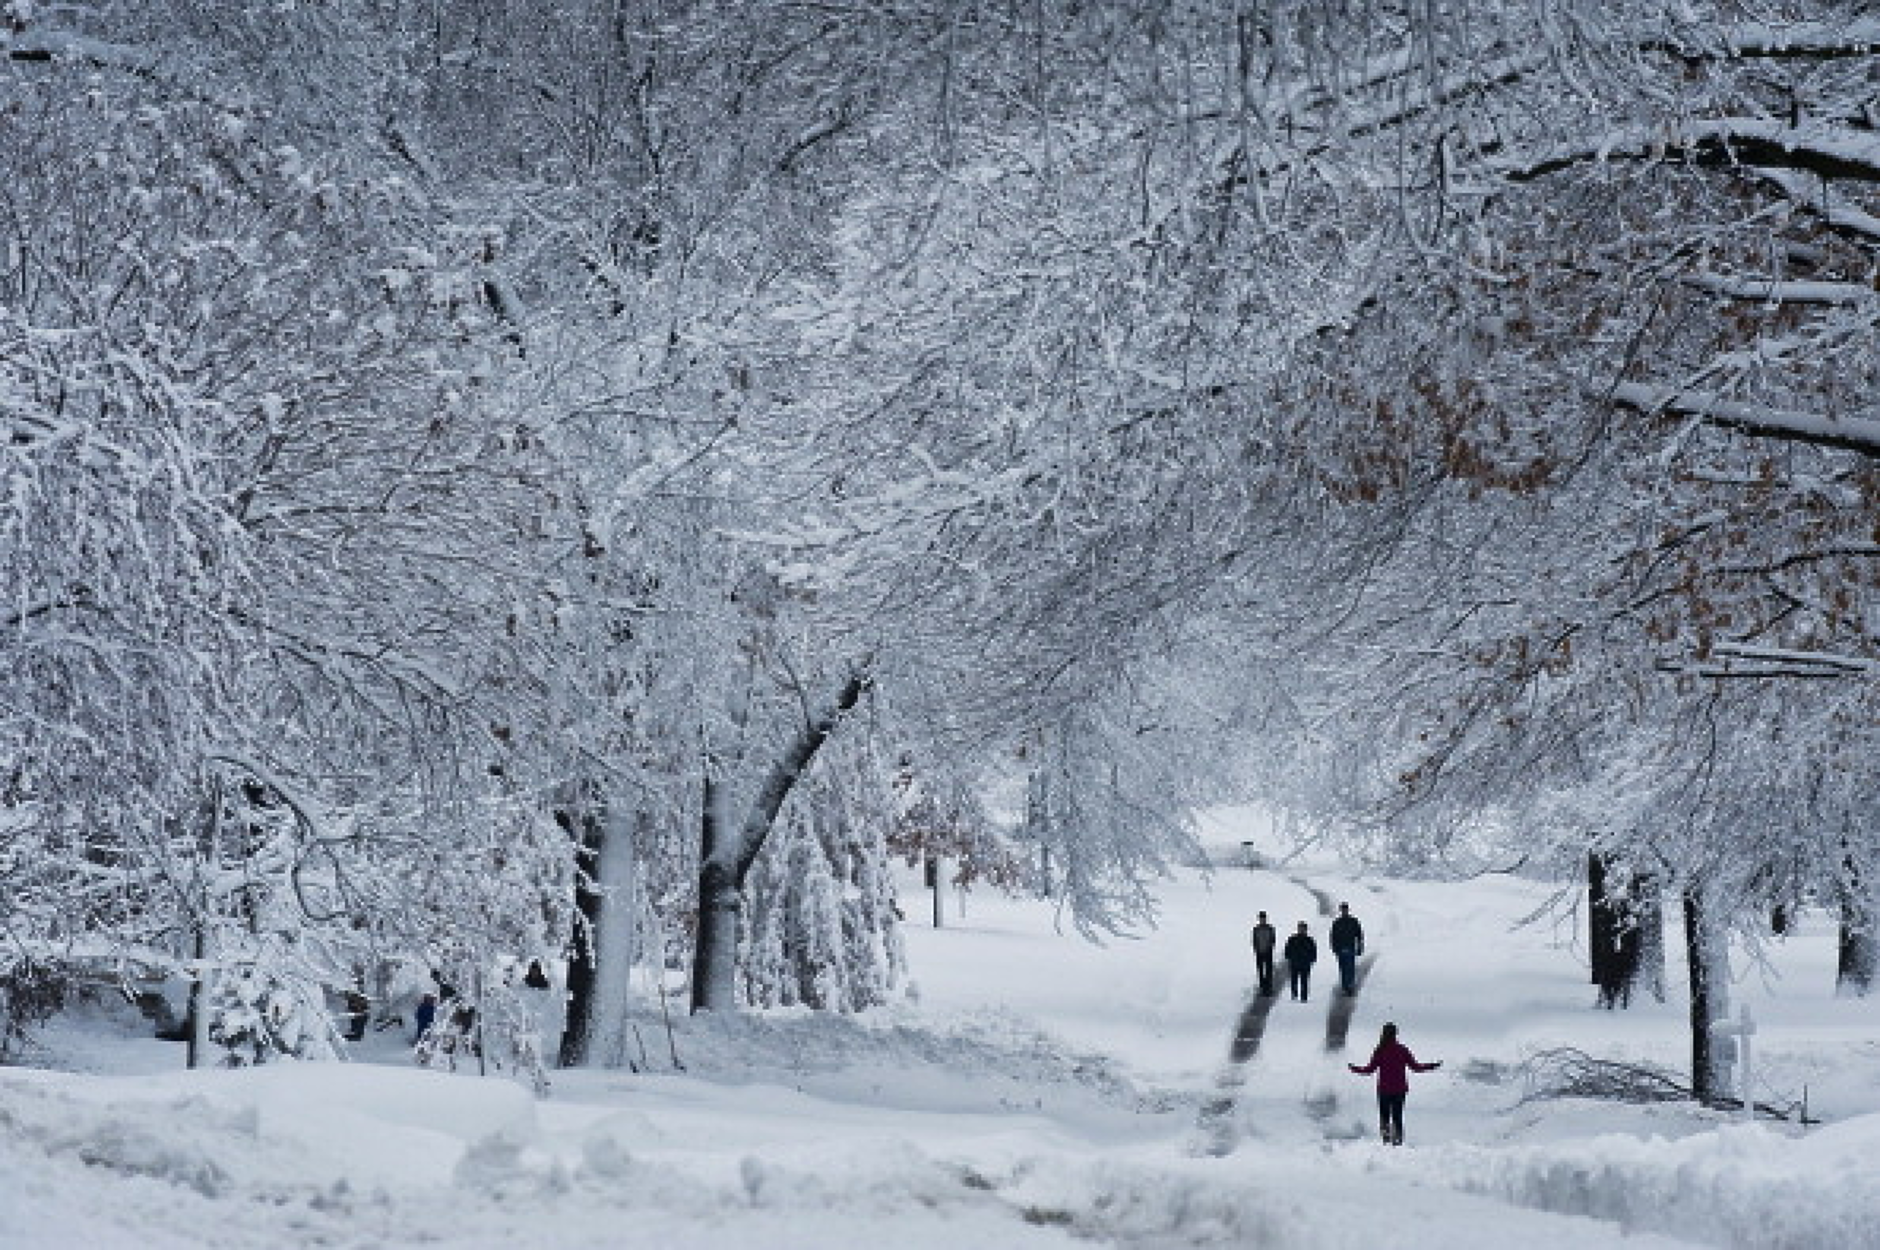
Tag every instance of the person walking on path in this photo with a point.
(1301, 953)
(1264, 940)
(1347, 944)
(1393, 1063)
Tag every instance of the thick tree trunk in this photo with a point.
(1859, 950)
(1710, 982)
(720, 902)
(1602, 923)
(583, 959)
(726, 859)
(1650, 919)
(616, 939)
(605, 950)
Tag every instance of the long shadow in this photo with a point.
(1338, 1019)
(1252, 1027)
(1217, 1130)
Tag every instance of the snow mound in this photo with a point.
(905, 1062)
(137, 1143)
(1742, 1185)
(1127, 1205)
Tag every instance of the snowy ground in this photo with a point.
(1038, 1091)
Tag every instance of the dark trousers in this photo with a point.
(1390, 1117)
(1301, 975)
(1263, 964)
(1347, 969)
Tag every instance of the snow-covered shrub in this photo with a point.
(500, 1032)
(31, 993)
(822, 912)
(256, 1015)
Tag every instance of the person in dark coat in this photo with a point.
(1347, 945)
(1393, 1063)
(424, 1017)
(1301, 953)
(1264, 940)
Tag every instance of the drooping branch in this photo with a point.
(788, 770)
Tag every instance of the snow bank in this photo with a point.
(1126, 1205)
(1742, 1185)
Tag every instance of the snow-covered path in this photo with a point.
(1039, 1092)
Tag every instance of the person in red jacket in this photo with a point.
(1393, 1063)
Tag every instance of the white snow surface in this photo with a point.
(1034, 1090)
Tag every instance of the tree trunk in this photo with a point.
(726, 859)
(715, 944)
(1650, 918)
(583, 958)
(196, 1021)
(1859, 949)
(606, 950)
(1037, 816)
(1710, 1000)
(616, 940)
(1602, 923)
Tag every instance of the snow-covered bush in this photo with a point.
(31, 992)
(499, 1032)
(256, 1015)
(822, 911)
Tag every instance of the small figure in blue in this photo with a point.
(424, 1016)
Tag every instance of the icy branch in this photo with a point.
(1846, 433)
(1810, 195)
(1776, 291)
(57, 45)
(789, 769)
(1737, 660)
(1804, 40)
(1825, 149)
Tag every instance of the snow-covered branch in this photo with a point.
(1821, 148)
(60, 45)
(1847, 433)
(1803, 41)
(1740, 661)
(1780, 291)
(1809, 194)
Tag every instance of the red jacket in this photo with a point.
(1393, 1064)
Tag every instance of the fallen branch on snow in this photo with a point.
(1570, 1073)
